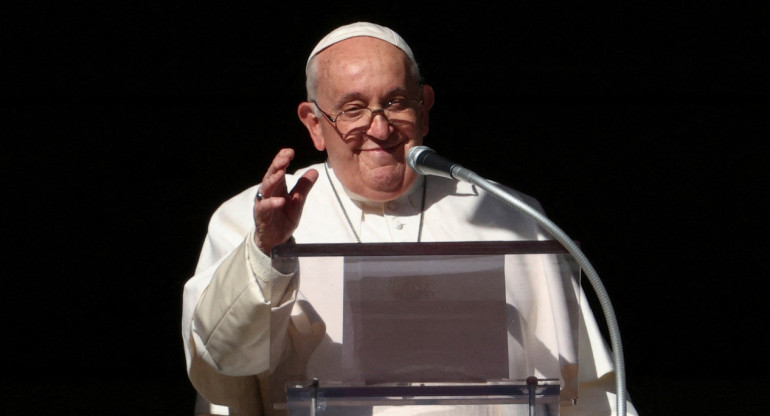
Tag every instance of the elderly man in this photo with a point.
(250, 323)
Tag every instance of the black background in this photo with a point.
(640, 127)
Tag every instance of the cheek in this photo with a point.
(346, 162)
(338, 150)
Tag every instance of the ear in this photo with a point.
(312, 123)
(428, 99)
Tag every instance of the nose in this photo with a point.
(380, 127)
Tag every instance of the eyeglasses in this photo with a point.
(356, 119)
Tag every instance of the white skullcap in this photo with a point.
(361, 29)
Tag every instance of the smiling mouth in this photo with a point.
(388, 148)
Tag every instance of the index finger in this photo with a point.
(280, 161)
(273, 183)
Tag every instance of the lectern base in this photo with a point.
(538, 397)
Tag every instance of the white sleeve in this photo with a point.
(239, 323)
(235, 308)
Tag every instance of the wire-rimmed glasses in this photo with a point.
(356, 119)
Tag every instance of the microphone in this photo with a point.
(426, 161)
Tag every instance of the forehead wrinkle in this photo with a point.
(355, 58)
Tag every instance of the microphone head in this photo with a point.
(414, 153)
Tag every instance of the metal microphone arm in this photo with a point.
(460, 173)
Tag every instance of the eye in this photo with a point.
(352, 107)
(399, 104)
(352, 112)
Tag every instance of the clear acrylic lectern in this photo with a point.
(450, 328)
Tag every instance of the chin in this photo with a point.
(385, 179)
(387, 188)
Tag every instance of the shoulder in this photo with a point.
(234, 217)
(472, 212)
(471, 196)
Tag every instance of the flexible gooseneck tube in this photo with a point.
(460, 173)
